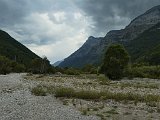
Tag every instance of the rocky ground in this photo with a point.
(107, 109)
(17, 102)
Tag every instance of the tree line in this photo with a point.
(115, 65)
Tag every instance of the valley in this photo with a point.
(114, 76)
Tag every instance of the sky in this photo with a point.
(57, 28)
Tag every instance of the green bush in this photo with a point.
(64, 92)
(103, 80)
(144, 72)
(5, 65)
(90, 69)
(39, 91)
(17, 67)
(115, 61)
(72, 71)
(41, 66)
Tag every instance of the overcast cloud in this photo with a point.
(56, 28)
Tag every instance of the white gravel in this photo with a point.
(17, 103)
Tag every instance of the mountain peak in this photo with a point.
(93, 49)
(91, 37)
(155, 8)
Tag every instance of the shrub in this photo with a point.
(90, 69)
(72, 71)
(17, 67)
(71, 93)
(64, 92)
(41, 65)
(39, 91)
(103, 80)
(115, 61)
(5, 65)
(144, 72)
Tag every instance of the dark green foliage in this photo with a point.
(59, 69)
(153, 56)
(13, 50)
(18, 68)
(89, 69)
(42, 66)
(72, 71)
(7, 66)
(115, 60)
(103, 80)
(144, 72)
(64, 92)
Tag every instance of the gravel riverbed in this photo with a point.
(17, 102)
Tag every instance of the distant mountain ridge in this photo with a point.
(57, 63)
(84, 55)
(92, 52)
(12, 49)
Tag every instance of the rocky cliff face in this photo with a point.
(142, 23)
(87, 54)
(92, 51)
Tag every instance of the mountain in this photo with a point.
(86, 54)
(57, 63)
(146, 47)
(14, 50)
(126, 36)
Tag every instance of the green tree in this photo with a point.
(115, 61)
(36, 65)
(89, 68)
(5, 65)
(45, 65)
(41, 65)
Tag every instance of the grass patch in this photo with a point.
(103, 80)
(112, 111)
(101, 116)
(87, 95)
(139, 85)
(39, 91)
(95, 95)
(127, 113)
(42, 90)
(84, 112)
(64, 92)
(95, 109)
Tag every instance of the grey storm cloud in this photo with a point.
(114, 14)
(105, 14)
(16, 17)
(13, 11)
(46, 25)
